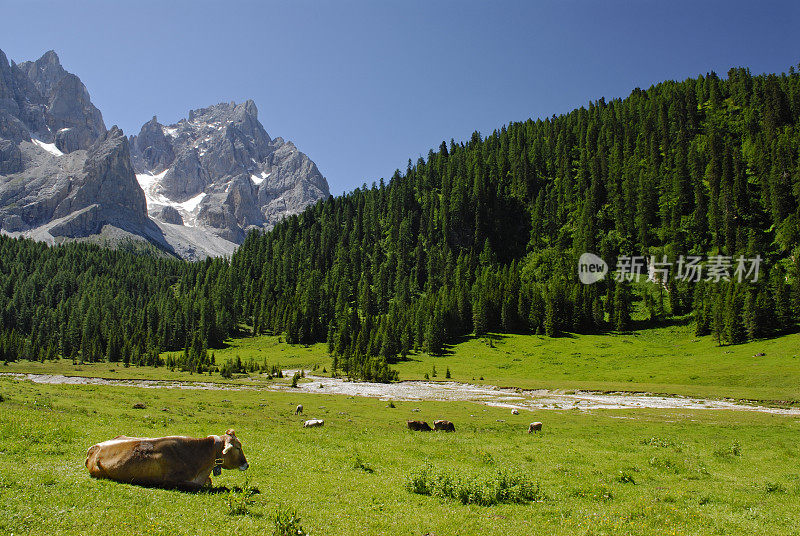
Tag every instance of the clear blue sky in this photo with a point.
(361, 87)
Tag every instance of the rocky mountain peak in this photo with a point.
(45, 72)
(221, 170)
(152, 152)
(52, 104)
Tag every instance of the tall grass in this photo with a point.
(287, 523)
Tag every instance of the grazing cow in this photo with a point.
(418, 426)
(313, 423)
(299, 409)
(534, 427)
(443, 426)
(169, 462)
(515, 411)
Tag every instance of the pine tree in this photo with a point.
(622, 305)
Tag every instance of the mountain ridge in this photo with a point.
(65, 176)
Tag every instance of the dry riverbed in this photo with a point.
(539, 399)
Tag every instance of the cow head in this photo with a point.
(232, 454)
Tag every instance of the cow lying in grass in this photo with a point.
(169, 462)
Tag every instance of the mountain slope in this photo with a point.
(485, 236)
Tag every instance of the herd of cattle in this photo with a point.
(188, 462)
(447, 426)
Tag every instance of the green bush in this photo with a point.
(774, 487)
(227, 370)
(626, 477)
(360, 463)
(504, 486)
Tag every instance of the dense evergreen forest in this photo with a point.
(88, 303)
(480, 236)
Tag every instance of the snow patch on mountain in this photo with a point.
(49, 147)
(258, 179)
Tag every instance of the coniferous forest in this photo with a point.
(480, 236)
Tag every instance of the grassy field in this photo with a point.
(605, 472)
(663, 360)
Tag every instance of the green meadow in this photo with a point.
(587, 473)
(602, 472)
(668, 360)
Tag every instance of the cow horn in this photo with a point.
(228, 447)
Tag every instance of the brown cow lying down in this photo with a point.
(444, 426)
(418, 426)
(170, 462)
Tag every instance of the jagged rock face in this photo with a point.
(169, 215)
(152, 147)
(73, 194)
(22, 107)
(45, 72)
(10, 157)
(70, 118)
(60, 170)
(221, 170)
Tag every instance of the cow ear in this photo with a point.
(231, 432)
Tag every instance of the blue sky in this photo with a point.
(361, 87)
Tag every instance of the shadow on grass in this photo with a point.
(204, 490)
(675, 321)
(448, 349)
(215, 490)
